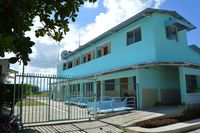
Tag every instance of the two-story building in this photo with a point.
(147, 56)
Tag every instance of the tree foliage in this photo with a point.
(17, 18)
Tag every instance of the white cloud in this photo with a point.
(44, 58)
(91, 5)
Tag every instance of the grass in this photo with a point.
(30, 102)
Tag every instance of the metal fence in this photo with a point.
(46, 98)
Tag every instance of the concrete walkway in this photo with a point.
(82, 127)
(134, 116)
(113, 124)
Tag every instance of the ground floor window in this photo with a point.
(110, 85)
(191, 83)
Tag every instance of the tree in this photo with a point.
(17, 18)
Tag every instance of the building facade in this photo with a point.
(146, 56)
(5, 71)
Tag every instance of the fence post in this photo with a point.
(68, 97)
(21, 100)
(13, 107)
(49, 99)
(95, 99)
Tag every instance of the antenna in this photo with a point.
(79, 41)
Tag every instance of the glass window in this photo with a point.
(69, 64)
(99, 53)
(84, 59)
(89, 57)
(110, 85)
(134, 36)
(191, 83)
(64, 66)
(171, 33)
(105, 50)
(77, 61)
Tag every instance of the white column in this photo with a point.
(182, 85)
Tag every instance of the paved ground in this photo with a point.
(83, 127)
(195, 131)
(51, 111)
(114, 124)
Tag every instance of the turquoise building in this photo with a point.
(146, 56)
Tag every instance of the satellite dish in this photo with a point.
(64, 54)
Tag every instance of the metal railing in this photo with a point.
(46, 98)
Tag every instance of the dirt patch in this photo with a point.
(163, 121)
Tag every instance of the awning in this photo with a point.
(179, 24)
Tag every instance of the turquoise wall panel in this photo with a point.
(159, 77)
(121, 55)
(170, 50)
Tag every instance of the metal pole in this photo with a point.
(21, 95)
(95, 98)
(13, 107)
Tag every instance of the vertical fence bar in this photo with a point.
(49, 99)
(21, 100)
(95, 98)
(68, 97)
(13, 107)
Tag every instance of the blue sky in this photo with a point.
(187, 8)
(95, 19)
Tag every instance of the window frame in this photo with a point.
(134, 38)
(110, 85)
(64, 66)
(77, 61)
(69, 64)
(100, 49)
(168, 36)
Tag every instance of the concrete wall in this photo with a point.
(170, 96)
(162, 80)
(188, 98)
(149, 97)
(153, 47)
(170, 50)
(121, 55)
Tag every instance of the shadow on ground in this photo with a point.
(29, 131)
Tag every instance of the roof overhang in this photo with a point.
(143, 65)
(181, 25)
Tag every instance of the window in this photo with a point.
(134, 36)
(171, 33)
(77, 61)
(84, 59)
(64, 66)
(69, 64)
(104, 50)
(88, 56)
(110, 85)
(191, 83)
(99, 53)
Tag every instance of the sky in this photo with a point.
(95, 19)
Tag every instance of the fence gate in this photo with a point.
(47, 98)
